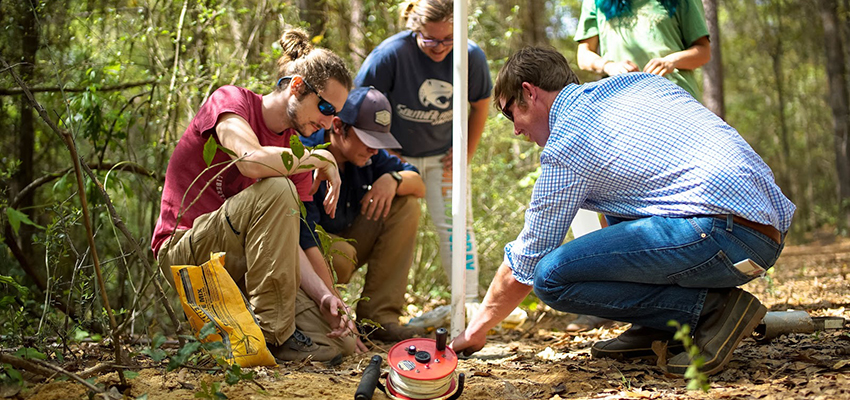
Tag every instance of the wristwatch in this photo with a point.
(396, 176)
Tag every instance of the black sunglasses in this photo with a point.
(506, 110)
(325, 107)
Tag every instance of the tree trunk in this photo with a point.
(712, 73)
(836, 74)
(26, 124)
(534, 23)
(313, 12)
(355, 33)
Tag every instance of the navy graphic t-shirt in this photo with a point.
(420, 91)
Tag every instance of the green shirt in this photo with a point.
(647, 33)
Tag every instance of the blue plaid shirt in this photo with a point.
(636, 145)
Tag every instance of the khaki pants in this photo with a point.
(258, 229)
(386, 245)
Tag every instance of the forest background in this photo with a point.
(124, 77)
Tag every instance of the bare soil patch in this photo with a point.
(540, 361)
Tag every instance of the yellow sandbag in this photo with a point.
(208, 293)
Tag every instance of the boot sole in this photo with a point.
(752, 315)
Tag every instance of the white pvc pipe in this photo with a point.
(460, 114)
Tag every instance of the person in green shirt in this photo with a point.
(662, 37)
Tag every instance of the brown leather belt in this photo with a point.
(766, 230)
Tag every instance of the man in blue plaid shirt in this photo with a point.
(693, 213)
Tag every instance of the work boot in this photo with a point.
(636, 342)
(727, 317)
(299, 346)
(392, 332)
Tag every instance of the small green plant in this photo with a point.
(697, 380)
(210, 391)
(626, 382)
(771, 281)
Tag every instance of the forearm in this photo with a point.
(503, 296)
(693, 57)
(320, 266)
(475, 127)
(311, 283)
(587, 57)
(267, 161)
(411, 184)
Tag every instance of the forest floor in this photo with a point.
(541, 361)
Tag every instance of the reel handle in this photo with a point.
(369, 380)
(441, 337)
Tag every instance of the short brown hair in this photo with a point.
(416, 13)
(315, 65)
(543, 67)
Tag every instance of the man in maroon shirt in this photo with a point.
(247, 204)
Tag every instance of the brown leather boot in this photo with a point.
(728, 316)
(636, 342)
(299, 346)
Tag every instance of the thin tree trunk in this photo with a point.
(26, 126)
(836, 74)
(712, 73)
(534, 23)
(355, 33)
(313, 12)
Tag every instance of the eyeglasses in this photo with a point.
(506, 109)
(434, 42)
(325, 107)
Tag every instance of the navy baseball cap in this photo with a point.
(369, 112)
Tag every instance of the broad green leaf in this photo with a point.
(13, 373)
(8, 280)
(206, 330)
(209, 150)
(80, 334)
(320, 157)
(296, 146)
(16, 218)
(226, 150)
(131, 374)
(30, 354)
(288, 162)
(156, 355)
(303, 209)
(158, 341)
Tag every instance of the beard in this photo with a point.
(292, 112)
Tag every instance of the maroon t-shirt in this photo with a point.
(187, 163)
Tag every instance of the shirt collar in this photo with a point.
(568, 95)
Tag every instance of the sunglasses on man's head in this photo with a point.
(506, 109)
(325, 107)
(434, 42)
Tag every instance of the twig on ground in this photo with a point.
(47, 369)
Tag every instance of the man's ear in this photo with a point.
(337, 126)
(529, 91)
(296, 83)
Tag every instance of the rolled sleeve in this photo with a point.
(557, 196)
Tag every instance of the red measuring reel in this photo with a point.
(424, 369)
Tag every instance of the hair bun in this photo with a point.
(295, 43)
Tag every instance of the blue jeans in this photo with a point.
(651, 270)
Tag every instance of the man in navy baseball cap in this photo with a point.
(378, 208)
(369, 112)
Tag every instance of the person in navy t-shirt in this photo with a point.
(414, 70)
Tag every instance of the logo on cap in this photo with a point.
(383, 117)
